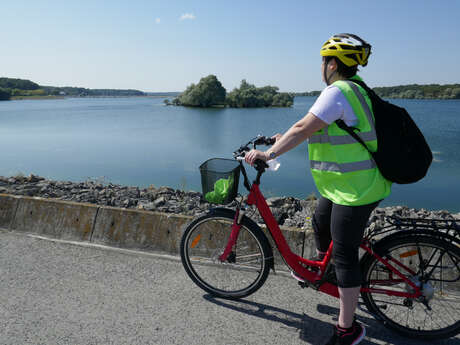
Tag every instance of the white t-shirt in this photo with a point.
(332, 105)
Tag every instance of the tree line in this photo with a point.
(309, 93)
(209, 92)
(81, 92)
(13, 87)
(414, 91)
(8, 86)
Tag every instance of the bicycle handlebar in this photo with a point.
(259, 165)
(259, 140)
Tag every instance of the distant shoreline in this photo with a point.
(38, 98)
(412, 91)
(51, 97)
(23, 89)
(27, 98)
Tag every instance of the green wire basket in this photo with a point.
(219, 180)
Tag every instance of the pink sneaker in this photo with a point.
(350, 336)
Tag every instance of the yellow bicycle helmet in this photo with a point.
(348, 48)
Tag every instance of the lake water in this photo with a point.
(141, 142)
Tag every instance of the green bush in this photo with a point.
(208, 92)
(249, 96)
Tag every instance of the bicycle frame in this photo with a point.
(299, 264)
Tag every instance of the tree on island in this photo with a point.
(208, 92)
(249, 96)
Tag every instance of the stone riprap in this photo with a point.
(288, 211)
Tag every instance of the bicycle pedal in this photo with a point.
(303, 285)
(296, 277)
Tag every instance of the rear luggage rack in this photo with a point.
(449, 227)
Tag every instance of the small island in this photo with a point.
(209, 92)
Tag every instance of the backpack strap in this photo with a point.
(351, 130)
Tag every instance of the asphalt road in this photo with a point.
(61, 293)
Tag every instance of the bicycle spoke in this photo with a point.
(386, 303)
(428, 275)
(433, 266)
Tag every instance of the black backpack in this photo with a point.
(403, 155)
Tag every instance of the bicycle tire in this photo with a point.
(245, 270)
(411, 317)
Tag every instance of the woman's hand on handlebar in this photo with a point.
(253, 155)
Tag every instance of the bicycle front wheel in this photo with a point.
(430, 263)
(246, 267)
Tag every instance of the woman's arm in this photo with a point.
(298, 133)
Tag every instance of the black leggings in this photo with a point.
(345, 226)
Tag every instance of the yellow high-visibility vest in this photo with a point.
(343, 170)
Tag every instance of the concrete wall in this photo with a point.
(125, 228)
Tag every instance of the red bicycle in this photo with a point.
(410, 268)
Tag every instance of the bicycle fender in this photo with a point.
(424, 232)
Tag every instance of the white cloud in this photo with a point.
(157, 20)
(185, 16)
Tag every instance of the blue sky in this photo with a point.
(167, 45)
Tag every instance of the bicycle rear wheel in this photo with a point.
(245, 269)
(433, 264)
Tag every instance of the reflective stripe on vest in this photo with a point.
(343, 167)
(348, 139)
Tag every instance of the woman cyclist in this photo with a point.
(347, 178)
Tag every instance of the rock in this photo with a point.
(31, 190)
(33, 178)
(275, 201)
(159, 202)
(164, 190)
(149, 206)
